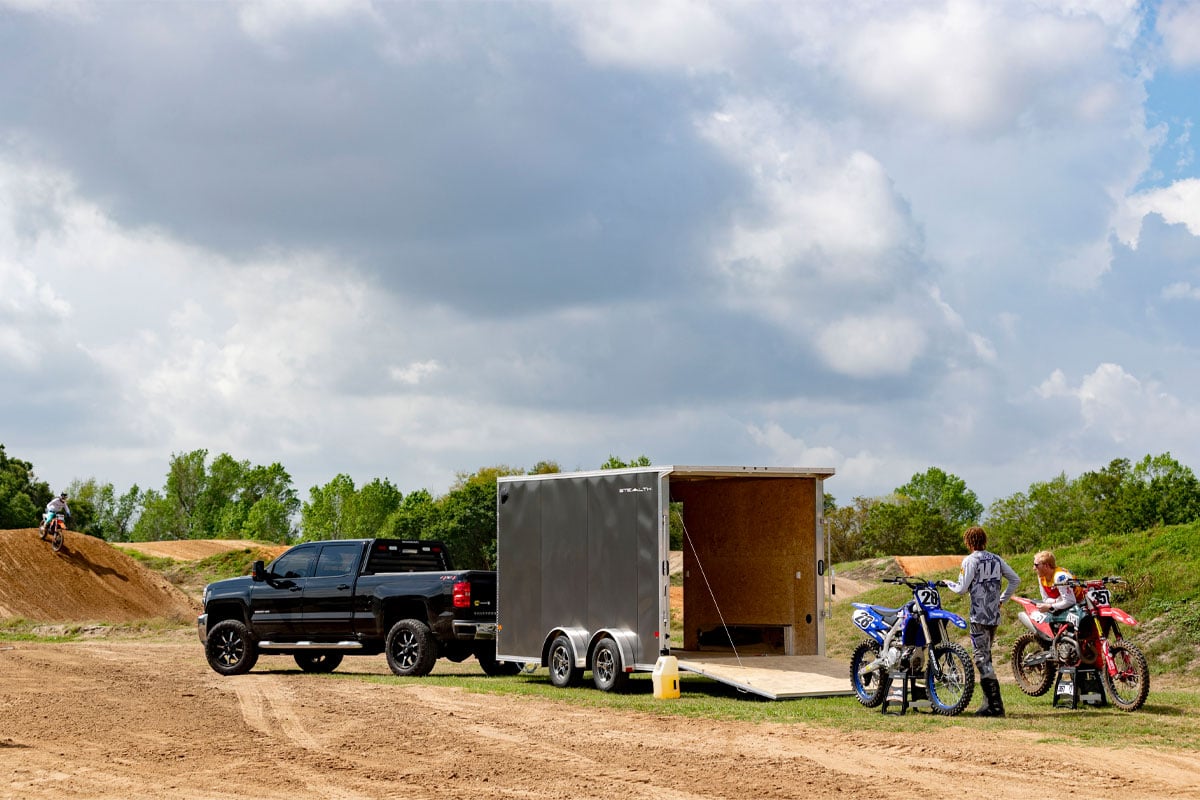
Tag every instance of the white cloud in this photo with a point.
(1179, 26)
(415, 373)
(872, 346)
(266, 20)
(654, 34)
(1120, 407)
(1181, 290)
(1177, 203)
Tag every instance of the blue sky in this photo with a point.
(407, 240)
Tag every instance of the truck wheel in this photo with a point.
(411, 648)
(485, 654)
(563, 671)
(608, 672)
(318, 660)
(230, 649)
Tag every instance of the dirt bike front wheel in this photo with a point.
(1130, 686)
(56, 540)
(950, 679)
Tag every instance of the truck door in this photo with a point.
(328, 605)
(276, 602)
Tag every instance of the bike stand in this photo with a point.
(1077, 685)
(904, 690)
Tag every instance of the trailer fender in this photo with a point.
(626, 642)
(579, 645)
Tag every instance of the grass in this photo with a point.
(19, 629)
(1166, 721)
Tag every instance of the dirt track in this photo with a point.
(115, 718)
(124, 719)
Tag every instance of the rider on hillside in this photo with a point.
(56, 506)
(1058, 596)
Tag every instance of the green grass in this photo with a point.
(1167, 720)
(19, 629)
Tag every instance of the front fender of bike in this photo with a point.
(948, 616)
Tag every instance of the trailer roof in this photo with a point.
(685, 472)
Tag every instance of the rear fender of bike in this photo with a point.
(1036, 622)
(868, 620)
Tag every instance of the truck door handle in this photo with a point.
(295, 588)
(343, 586)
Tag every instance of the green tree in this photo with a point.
(330, 511)
(847, 526)
(900, 525)
(615, 463)
(22, 496)
(946, 494)
(415, 518)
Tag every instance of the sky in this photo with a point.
(408, 240)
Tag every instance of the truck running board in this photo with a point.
(310, 645)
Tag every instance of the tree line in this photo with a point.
(224, 498)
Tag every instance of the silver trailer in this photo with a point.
(584, 577)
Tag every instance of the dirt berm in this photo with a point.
(87, 580)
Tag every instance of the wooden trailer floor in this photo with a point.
(774, 677)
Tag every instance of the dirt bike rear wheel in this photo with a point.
(950, 679)
(1034, 680)
(869, 687)
(1129, 688)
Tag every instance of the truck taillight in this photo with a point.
(462, 594)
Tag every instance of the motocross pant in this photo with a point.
(982, 637)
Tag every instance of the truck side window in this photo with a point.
(336, 559)
(295, 564)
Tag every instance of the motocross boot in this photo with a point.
(993, 703)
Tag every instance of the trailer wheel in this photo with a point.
(563, 672)
(411, 648)
(608, 672)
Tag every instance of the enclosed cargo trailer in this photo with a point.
(584, 577)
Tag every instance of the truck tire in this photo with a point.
(230, 649)
(485, 654)
(608, 671)
(563, 672)
(411, 648)
(318, 660)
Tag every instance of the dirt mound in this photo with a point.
(88, 580)
(196, 549)
(920, 565)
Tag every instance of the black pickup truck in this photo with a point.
(320, 601)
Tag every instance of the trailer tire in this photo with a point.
(563, 672)
(411, 649)
(608, 671)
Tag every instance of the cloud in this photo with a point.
(1178, 203)
(1123, 409)
(1178, 24)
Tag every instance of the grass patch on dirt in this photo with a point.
(1165, 721)
(193, 576)
(18, 629)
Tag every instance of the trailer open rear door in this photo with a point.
(773, 677)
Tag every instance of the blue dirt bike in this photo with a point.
(912, 639)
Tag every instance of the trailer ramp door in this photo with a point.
(773, 677)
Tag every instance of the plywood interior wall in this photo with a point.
(750, 537)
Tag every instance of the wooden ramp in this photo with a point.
(771, 676)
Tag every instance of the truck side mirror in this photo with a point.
(258, 572)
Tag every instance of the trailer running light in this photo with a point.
(462, 594)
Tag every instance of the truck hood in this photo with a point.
(229, 586)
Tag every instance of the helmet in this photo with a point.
(63, 495)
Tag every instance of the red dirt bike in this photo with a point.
(54, 529)
(1089, 638)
